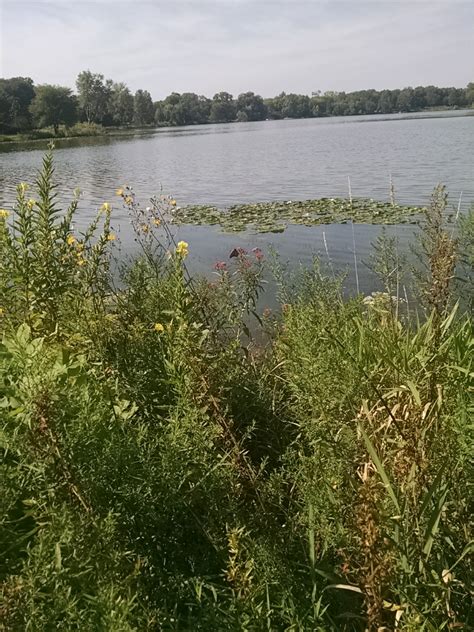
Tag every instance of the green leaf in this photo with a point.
(380, 469)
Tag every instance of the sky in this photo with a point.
(267, 46)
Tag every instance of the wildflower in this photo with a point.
(128, 199)
(220, 266)
(258, 254)
(71, 240)
(157, 222)
(106, 208)
(80, 247)
(81, 261)
(23, 187)
(158, 327)
(111, 237)
(145, 228)
(4, 213)
(31, 203)
(182, 249)
(119, 192)
(2, 311)
(173, 202)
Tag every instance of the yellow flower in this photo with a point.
(2, 311)
(145, 228)
(80, 247)
(81, 261)
(71, 240)
(23, 186)
(182, 249)
(31, 203)
(173, 202)
(106, 208)
(128, 199)
(4, 213)
(111, 237)
(119, 192)
(157, 222)
(158, 327)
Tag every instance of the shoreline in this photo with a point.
(6, 140)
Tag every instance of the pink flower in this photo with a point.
(258, 254)
(220, 266)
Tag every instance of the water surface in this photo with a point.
(269, 160)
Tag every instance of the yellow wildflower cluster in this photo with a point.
(106, 208)
(31, 203)
(2, 311)
(173, 202)
(157, 222)
(182, 249)
(119, 192)
(4, 213)
(23, 187)
(158, 327)
(79, 249)
(111, 237)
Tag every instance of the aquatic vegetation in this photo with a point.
(274, 217)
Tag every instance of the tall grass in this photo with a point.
(161, 470)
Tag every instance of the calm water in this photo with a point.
(271, 160)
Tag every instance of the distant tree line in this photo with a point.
(24, 106)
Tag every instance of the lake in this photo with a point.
(263, 161)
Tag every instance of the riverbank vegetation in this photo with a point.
(31, 109)
(174, 458)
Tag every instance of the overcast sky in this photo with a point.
(237, 45)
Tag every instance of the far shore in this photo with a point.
(98, 131)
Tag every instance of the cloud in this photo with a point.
(237, 45)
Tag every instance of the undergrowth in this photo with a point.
(162, 470)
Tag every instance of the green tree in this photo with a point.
(143, 108)
(121, 104)
(16, 95)
(252, 106)
(93, 96)
(470, 95)
(53, 105)
(406, 100)
(222, 108)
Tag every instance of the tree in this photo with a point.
(252, 106)
(93, 96)
(222, 108)
(405, 101)
(16, 95)
(143, 108)
(470, 95)
(121, 104)
(53, 105)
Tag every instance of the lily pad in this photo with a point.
(274, 217)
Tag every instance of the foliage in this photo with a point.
(143, 111)
(53, 105)
(172, 458)
(16, 95)
(274, 217)
(105, 102)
